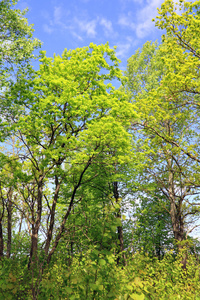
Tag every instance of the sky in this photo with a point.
(71, 24)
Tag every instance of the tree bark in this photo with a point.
(9, 222)
(62, 226)
(176, 214)
(119, 228)
(36, 223)
(52, 219)
(1, 240)
(1, 227)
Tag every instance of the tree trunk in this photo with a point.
(36, 224)
(52, 213)
(1, 227)
(176, 214)
(119, 228)
(9, 222)
(1, 241)
(62, 226)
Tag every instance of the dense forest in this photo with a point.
(99, 186)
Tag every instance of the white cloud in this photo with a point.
(79, 25)
(150, 10)
(47, 29)
(52, 23)
(107, 26)
(89, 27)
(126, 21)
(57, 14)
(144, 19)
(143, 29)
(124, 47)
(23, 5)
(77, 36)
(142, 24)
(63, 20)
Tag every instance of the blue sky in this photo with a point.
(61, 24)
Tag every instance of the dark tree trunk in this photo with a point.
(176, 214)
(52, 214)
(36, 224)
(62, 226)
(119, 228)
(9, 222)
(1, 241)
(1, 227)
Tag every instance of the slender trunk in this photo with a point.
(176, 214)
(9, 222)
(36, 224)
(52, 219)
(119, 228)
(176, 205)
(62, 226)
(1, 227)
(158, 242)
(34, 244)
(1, 240)
(20, 225)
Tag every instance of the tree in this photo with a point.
(180, 53)
(70, 118)
(153, 231)
(164, 167)
(16, 52)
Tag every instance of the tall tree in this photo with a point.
(16, 52)
(160, 121)
(181, 56)
(71, 117)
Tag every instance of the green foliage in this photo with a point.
(162, 83)
(99, 177)
(16, 51)
(95, 275)
(153, 233)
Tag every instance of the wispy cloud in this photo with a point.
(77, 36)
(56, 21)
(127, 21)
(141, 21)
(124, 47)
(79, 25)
(57, 14)
(59, 17)
(63, 19)
(89, 27)
(107, 26)
(144, 19)
(23, 4)
(48, 29)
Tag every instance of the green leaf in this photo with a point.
(137, 296)
(102, 262)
